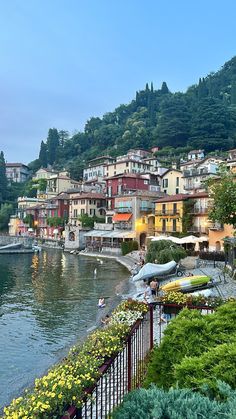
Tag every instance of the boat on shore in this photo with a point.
(188, 283)
(11, 246)
(15, 248)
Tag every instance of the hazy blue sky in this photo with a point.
(63, 61)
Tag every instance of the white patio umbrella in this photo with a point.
(171, 238)
(203, 239)
(189, 239)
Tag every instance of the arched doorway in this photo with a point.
(142, 239)
(218, 246)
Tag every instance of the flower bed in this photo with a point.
(178, 298)
(66, 382)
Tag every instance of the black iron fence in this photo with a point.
(126, 370)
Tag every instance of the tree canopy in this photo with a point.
(222, 191)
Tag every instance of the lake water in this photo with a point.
(47, 302)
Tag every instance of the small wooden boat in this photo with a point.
(186, 283)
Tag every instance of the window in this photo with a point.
(90, 201)
(127, 164)
(75, 202)
(145, 182)
(177, 181)
(165, 183)
(75, 212)
(163, 208)
(82, 212)
(82, 201)
(91, 212)
(174, 225)
(175, 208)
(177, 191)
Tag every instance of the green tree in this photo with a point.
(52, 145)
(5, 212)
(43, 158)
(3, 177)
(222, 191)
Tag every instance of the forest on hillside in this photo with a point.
(202, 117)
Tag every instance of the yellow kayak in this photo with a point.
(186, 283)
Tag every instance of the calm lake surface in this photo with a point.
(47, 302)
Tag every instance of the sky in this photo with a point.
(64, 61)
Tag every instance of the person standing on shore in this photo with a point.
(154, 287)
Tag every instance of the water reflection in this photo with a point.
(47, 301)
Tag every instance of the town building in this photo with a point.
(92, 204)
(196, 174)
(17, 172)
(58, 183)
(172, 182)
(96, 169)
(196, 155)
(182, 213)
(131, 213)
(127, 166)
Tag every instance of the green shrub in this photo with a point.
(191, 334)
(129, 246)
(217, 363)
(164, 251)
(174, 404)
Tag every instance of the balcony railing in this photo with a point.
(122, 226)
(168, 230)
(167, 212)
(200, 210)
(146, 208)
(123, 209)
(216, 226)
(196, 229)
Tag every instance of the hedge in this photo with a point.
(176, 404)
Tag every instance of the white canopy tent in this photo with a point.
(182, 240)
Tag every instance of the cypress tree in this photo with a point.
(52, 144)
(43, 158)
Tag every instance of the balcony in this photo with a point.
(145, 208)
(198, 229)
(172, 212)
(123, 209)
(122, 226)
(195, 172)
(200, 210)
(216, 226)
(168, 229)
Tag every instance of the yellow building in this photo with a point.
(92, 204)
(169, 214)
(172, 182)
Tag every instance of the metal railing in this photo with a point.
(119, 375)
(126, 370)
(167, 212)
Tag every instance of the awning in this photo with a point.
(121, 234)
(121, 217)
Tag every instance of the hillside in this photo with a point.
(203, 117)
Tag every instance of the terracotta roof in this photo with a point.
(87, 195)
(182, 197)
(196, 151)
(128, 160)
(130, 175)
(16, 165)
(170, 170)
